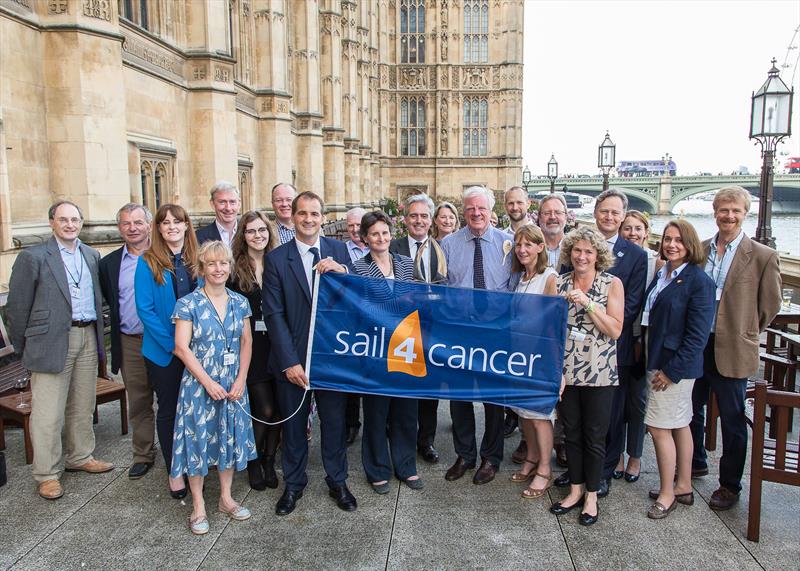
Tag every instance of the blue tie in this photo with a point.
(478, 280)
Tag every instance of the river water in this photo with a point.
(785, 227)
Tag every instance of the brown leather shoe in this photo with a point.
(51, 489)
(519, 455)
(93, 466)
(485, 473)
(561, 455)
(723, 499)
(458, 469)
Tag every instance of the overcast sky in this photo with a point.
(662, 77)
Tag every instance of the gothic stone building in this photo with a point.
(110, 101)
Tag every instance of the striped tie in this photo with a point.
(315, 253)
(478, 281)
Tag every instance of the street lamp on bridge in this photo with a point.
(526, 178)
(552, 172)
(606, 158)
(770, 123)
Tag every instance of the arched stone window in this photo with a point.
(412, 127)
(476, 127)
(412, 31)
(476, 31)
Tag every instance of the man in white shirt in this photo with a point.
(226, 204)
(517, 204)
(355, 245)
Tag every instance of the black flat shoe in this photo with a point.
(605, 486)
(562, 481)
(288, 502)
(558, 509)
(586, 519)
(180, 494)
(617, 474)
(344, 499)
(429, 454)
(631, 478)
(139, 469)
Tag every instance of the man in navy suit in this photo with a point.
(630, 266)
(289, 274)
(226, 203)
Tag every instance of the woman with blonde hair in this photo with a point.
(163, 274)
(255, 237)
(532, 275)
(594, 323)
(212, 422)
(445, 221)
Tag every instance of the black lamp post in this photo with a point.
(770, 123)
(552, 172)
(526, 178)
(606, 158)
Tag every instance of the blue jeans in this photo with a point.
(730, 395)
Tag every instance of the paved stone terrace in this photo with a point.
(109, 522)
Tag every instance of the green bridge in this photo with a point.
(659, 194)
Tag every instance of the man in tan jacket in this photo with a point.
(748, 298)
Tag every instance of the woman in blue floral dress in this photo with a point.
(212, 426)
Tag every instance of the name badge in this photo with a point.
(719, 293)
(645, 318)
(75, 291)
(260, 325)
(228, 358)
(576, 335)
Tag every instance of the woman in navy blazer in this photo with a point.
(399, 414)
(164, 274)
(677, 315)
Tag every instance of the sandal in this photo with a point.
(520, 476)
(531, 493)
(199, 525)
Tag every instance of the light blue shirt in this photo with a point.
(664, 279)
(718, 266)
(459, 250)
(553, 255)
(226, 236)
(356, 252)
(79, 280)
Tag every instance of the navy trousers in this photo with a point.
(387, 444)
(730, 399)
(166, 382)
(463, 416)
(331, 406)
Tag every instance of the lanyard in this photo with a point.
(219, 320)
(78, 267)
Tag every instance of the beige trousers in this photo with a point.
(65, 401)
(140, 399)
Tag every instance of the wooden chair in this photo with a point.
(773, 460)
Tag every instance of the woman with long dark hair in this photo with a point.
(255, 237)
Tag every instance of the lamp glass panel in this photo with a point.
(776, 117)
(756, 126)
(552, 170)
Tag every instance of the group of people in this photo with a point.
(215, 324)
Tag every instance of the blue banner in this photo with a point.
(418, 340)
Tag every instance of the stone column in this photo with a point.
(273, 160)
(211, 103)
(85, 108)
(664, 195)
(350, 49)
(331, 70)
(306, 95)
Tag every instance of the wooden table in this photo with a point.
(787, 317)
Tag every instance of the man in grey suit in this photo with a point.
(56, 323)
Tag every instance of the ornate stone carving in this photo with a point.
(199, 72)
(100, 9)
(443, 111)
(476, 77)
(443, 48)
(57, 7)
(412, 78)
(444, 78)
(148, 52)
(433, 78)
(222, 74)
(24, 3)
(443, 141)
(246, 9)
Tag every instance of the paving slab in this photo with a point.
(624, 538)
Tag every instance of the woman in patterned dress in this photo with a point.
(212, 426)
(594, 321)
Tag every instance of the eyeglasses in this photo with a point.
(552, 213)
(253, 231)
